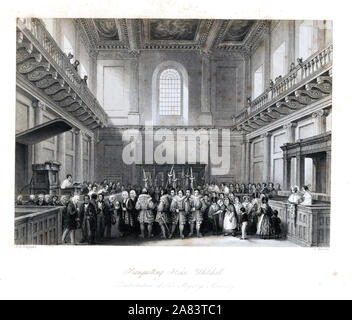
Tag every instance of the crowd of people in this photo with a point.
(228, 209)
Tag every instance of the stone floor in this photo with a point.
(207, 241)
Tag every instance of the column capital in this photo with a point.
(205, 53)
(320, 113)
(39, 104)
(290, 125)
(93, 54)
(134, 53)
(266, 135)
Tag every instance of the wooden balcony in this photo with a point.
(45, 69)
(306, 83)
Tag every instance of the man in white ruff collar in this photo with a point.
(145, 206)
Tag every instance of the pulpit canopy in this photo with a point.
(43, 131)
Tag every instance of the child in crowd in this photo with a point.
(276, 222)
(244, 219)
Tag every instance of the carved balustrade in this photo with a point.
(42, 63)
(307, 82)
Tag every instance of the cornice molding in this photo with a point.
(250, 42)
(43, 102)
(293, 117)
(135, 36)
(84, 38)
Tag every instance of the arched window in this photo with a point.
(170, 93)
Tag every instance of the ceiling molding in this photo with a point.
(134, 36)
(85, 39)
(131, 27)
(249, 43)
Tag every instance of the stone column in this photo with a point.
(206, 116)
(328, 172)
(92, 76)
(320, 121)
(315, 175)
(291, 43)
(287, 173)
(61, 155)
(133, 114)
(208, 166)
(248, 78)
(38, 119)
(78, 156)
(243, 161)
(248, 161)
(267, 58)
(290, 131)
(91, 159)
(267, 156)
(290, 138)
(300, 170)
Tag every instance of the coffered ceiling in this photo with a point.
(241, 36)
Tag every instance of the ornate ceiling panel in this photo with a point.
(174, 30)
(105, 33)
(133, 35)
(237, 30)
(106, 29)
(173, 34)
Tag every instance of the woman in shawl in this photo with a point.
(265, 226)
(237, 206)
(230, 221)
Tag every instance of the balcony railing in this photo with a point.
(303, 73)
(37, 35)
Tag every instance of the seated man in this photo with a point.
(32, 200)
(47, 199)
(41, 200)
(67, 183)
(19, 200)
